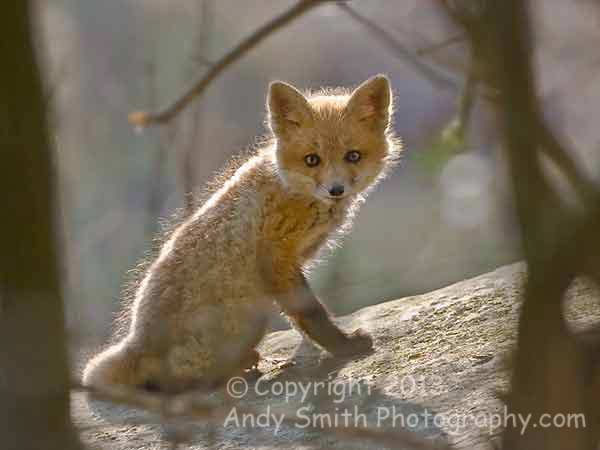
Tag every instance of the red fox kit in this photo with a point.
(201, 308)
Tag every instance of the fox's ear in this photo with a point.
(288, 108)
(371, 102)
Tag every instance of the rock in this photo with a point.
(442, 353)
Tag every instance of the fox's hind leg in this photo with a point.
(240, 357)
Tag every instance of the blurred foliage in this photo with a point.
(444, 146)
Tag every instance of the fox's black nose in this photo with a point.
(336, 190)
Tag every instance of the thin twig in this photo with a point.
(154, 196)
(440, 45)
(467, 100)
(143, 119)
(191, 147)
(435, 76)
(555, 150)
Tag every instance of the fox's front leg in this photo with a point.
(291, 290)
(311, 316)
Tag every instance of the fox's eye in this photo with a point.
(312, 160)
(353, 156)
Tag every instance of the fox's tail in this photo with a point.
(117, 365)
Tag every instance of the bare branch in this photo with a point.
(467, 99)
(556, 151)
(143, 119)
(186, 160)
(441, 45)
(435, 76)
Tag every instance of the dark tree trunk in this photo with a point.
(34, 375)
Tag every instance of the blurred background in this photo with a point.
(442, 216)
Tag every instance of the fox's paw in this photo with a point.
(356, 344)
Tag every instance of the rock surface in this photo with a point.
(442, 353)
